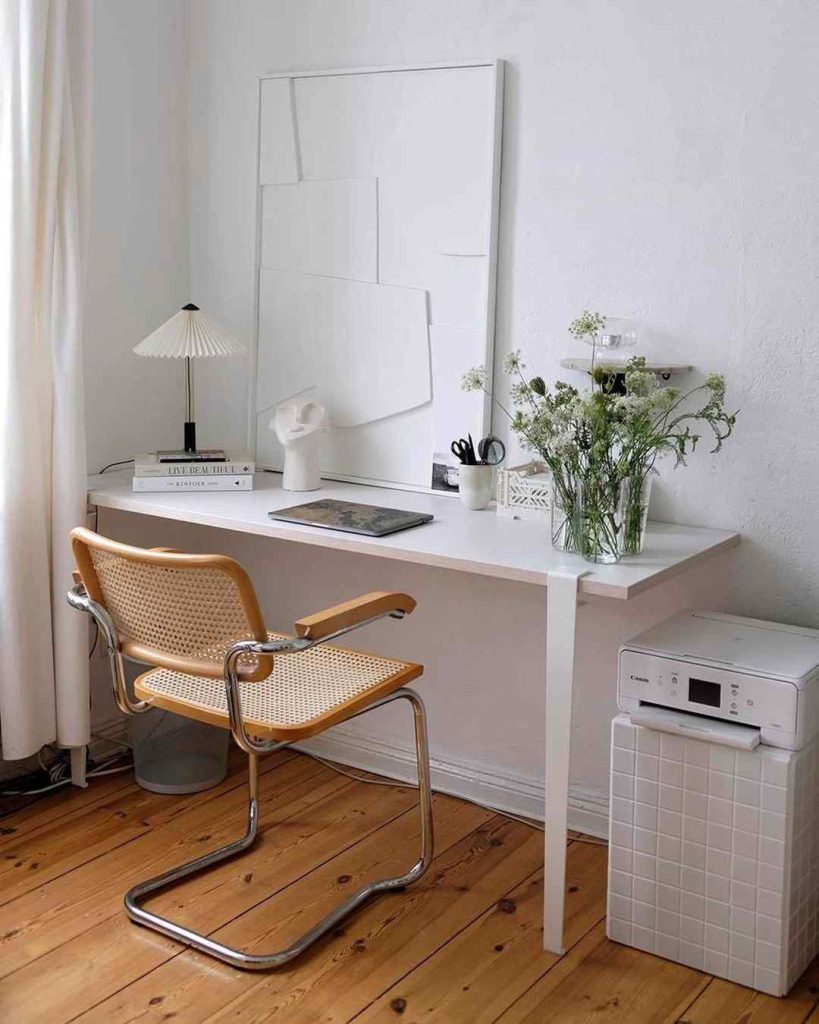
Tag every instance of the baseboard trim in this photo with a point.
(501, 790)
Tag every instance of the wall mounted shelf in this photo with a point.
(664, 369)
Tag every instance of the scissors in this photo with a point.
(464, 451)
(491, 451)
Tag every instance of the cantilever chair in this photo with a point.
(197, 621)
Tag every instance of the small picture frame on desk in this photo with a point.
(444, 473)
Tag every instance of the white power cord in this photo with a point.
(408, 785)
(59, 775)
(590, 840)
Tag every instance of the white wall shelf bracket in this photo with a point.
(663, 369)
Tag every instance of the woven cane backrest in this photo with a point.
(170, 609)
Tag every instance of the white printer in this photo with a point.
(724, 669)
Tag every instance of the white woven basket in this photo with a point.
(525, 492)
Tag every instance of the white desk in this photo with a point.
(470, 542)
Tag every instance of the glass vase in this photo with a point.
(588, 516)
(564, 514)
(633, 532)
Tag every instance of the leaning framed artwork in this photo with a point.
(378, 193)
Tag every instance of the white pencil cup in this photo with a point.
(475, 486)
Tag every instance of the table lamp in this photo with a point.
(188, 335)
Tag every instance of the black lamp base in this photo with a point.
(190, 437)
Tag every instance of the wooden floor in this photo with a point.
(463, 945)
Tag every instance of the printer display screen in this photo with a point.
(700, 691)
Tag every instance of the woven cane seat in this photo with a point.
(305, 693)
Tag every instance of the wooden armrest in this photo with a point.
(353, 613)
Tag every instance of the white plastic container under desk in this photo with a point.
(714, 855)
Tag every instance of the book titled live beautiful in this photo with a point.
(147, 464)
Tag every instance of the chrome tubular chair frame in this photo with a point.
(79, 599)
(236, 957)
(261, 962)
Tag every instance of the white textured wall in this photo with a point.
(660, 160)
(138, 261)
(138, 264)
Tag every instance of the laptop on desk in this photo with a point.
(351, 517)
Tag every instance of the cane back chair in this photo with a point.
(196, 620)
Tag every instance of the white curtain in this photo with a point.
(44, 115)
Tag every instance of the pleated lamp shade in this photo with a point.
(189, 334)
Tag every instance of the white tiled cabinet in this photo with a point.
(714, 855)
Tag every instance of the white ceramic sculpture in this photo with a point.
(299, 423)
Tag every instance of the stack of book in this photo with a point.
(210, 470)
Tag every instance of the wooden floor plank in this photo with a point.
(71, 802)
(55, 849)
(46, 917)
(60, 846)
(725, 1003)
(463, 946)
(612, 983)
(501, 955)
(62, 804)
(392, 935)
(325, 819)
(195, 988)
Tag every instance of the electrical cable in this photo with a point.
(159, 720)
(122, 462)
(59, 777)
(96, 629)
(111, 771)
(114, 743)
(408, 785)
(589, 840)
(59, 774)
(111, 465)
(35, 792)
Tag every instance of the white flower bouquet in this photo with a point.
(601, 445)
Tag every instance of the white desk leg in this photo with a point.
(561, 616)
(78, 755)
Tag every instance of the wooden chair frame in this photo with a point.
(87, 596)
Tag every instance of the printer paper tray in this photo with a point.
(695, 727)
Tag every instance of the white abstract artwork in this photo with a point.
(378, 197)
(278, 150)
(456, 282)
(331, 335)
(322, 227)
